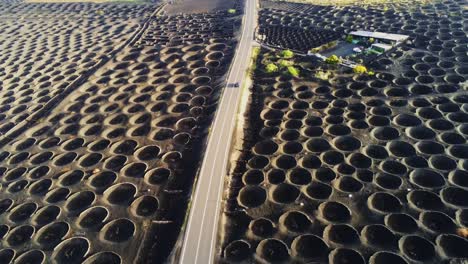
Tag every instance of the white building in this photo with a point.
(379, 37)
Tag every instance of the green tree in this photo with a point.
(323, 75)
(349, 38)
(285, 63)
(360, 69)
(333, 59)
(271, 68)
(231, 11)
(287, 54)
(371, 40)
(293, 71)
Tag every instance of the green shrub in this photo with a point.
(315, 50)
(271, 68)
(253, 63)
(287, 54)
(293, 71)
(285, 63)
(331, 44)
(360, 69)
(323, 75)
(333, 59)
(349, 39)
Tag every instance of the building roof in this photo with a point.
(383, 46)
(379, 35)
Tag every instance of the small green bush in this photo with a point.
(285, 63)
(315, 50)
(333, 59)
(323, 75)
(271, 68)
(331, 44)
(293, 71)
(231, 11)
(287, 54)
(360, 69)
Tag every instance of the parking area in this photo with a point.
(343, 49)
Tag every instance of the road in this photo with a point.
(201, 232)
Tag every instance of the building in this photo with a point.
(379, 37)
(381, 47)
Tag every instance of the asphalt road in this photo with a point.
(201, 232)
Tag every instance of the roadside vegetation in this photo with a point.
(253, 62)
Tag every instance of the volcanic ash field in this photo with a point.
(356, 168)
(105, 108)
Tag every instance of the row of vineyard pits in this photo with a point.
(355, 168)
(90, 182)
(46, 47)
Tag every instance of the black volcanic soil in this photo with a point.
(105, 176)
(196, 6)
(45, 48)
(177, 7)
(356, 168)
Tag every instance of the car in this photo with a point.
(357, 49)
(233, 85)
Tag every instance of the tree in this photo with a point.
(287, 54)
(323, 75)
(285, 63)
(271, 68)
(231, 11)
(360, 69)
(333, 59)
(293, 71)
(349, 38)
(371, 40)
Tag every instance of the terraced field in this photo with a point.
(355, 168)
(47, 48)
(105, 110)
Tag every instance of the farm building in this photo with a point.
(379, 37)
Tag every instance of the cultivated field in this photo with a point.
(354, 168)
(46, 48)
(357, 2)
(105, 110)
